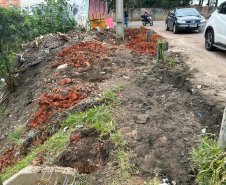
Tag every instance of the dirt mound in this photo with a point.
(166, 113)
(139, 44)
(52, 103)
(6, 159)
(86, 152)
(79, 55)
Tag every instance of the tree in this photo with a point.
(51, 18)
(13, 29)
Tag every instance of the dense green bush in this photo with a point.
(13, 30)
(51, 18)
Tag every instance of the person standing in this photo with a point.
(126, 17)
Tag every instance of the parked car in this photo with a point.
(185, 19)
(215, 31)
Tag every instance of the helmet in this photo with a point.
(146, 11)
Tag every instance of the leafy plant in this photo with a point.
(209, 159)
(13, 30)
(170, 62)
(51, 17)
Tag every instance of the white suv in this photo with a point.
(215, 31)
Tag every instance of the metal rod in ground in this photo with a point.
(65, 180)
(51, 175)
(74, 180)
(157, 52)
(148, 35)
(138, 29)
(56, 181)
(42, 176)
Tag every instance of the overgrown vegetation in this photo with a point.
(51, 17)
(17, 27)
(13, 30)
(209, 160)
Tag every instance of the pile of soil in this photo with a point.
(139, 43)
(86, 152)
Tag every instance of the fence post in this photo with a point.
(149, 33)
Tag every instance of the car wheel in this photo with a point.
(175, 31)
(151, 23)
(143, 23)
(167, 28)
(201, 30)
(209, 41)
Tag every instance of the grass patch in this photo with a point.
(16, 135)
(98, 117)
(101, 118)
(1, 111)
(209, 160)
(56, 144)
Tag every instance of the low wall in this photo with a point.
(159, 14)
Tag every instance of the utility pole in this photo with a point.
(119, 19)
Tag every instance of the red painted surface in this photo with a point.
(97, 9)
(6, 3)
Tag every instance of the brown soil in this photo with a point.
(162, 111)
(86, 152)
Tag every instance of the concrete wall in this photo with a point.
(159, 14)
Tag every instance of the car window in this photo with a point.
(173, 13)
(223, 9)
(187, 12)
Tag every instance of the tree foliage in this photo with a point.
(13, 30)
(152, 3)
(51, 17)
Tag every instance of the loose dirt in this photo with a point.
(162, 110)
(86, 152)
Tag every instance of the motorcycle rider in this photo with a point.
(145, 15)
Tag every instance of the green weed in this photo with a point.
(209, 159)
(16, 135)
(110, 96)
(1, 112)
(171, 62)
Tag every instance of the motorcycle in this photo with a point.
(148, 19)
